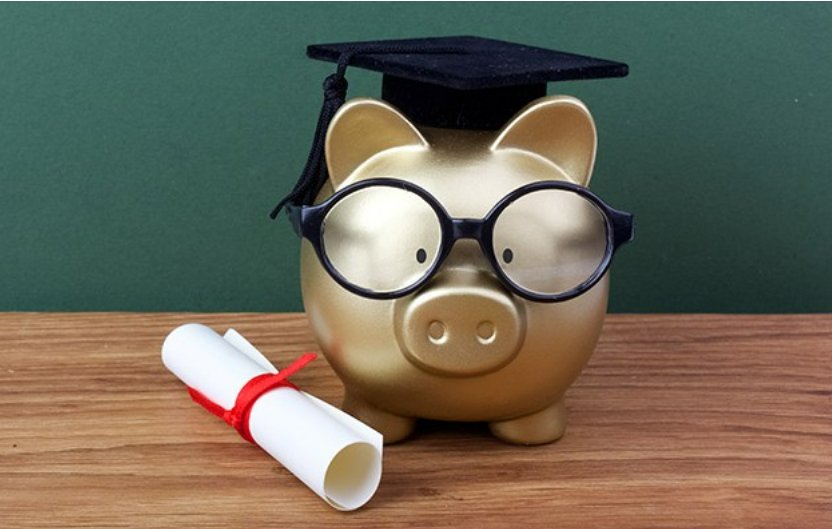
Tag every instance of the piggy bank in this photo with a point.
(459, 275)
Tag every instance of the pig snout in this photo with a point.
(463, 324)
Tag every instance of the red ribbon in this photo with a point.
(251, 391)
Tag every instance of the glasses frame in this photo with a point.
(308, 223)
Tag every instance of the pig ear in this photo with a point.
(361, 129)
(558, 128)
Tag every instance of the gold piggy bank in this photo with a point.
(459, 275)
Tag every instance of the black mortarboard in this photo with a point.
(448, 82)
(480, 86)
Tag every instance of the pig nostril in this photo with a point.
(486, 332)
(436, 332)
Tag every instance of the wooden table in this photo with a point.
(678, 421)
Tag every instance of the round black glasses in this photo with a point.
(384, 238)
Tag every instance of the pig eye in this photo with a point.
(372, 235)
(558, 240)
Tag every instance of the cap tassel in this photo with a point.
(314, 173)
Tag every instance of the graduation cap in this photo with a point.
(469, 83)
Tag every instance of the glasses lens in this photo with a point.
(550, 241)
(382, 238)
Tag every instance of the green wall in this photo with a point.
(142, 146)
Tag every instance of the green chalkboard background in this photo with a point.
(142, 146)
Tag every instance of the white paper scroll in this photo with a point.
(334, 454)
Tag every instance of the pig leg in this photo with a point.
(393, 427)
(544, 426)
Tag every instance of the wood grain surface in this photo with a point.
(678, 421)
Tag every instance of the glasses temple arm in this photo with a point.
(295, 214)
(623, 227)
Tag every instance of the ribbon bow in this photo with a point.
(252, 390)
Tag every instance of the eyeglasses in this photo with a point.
(384, 238)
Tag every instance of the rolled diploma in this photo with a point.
(334, 454)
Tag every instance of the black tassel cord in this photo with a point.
(314, 173)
